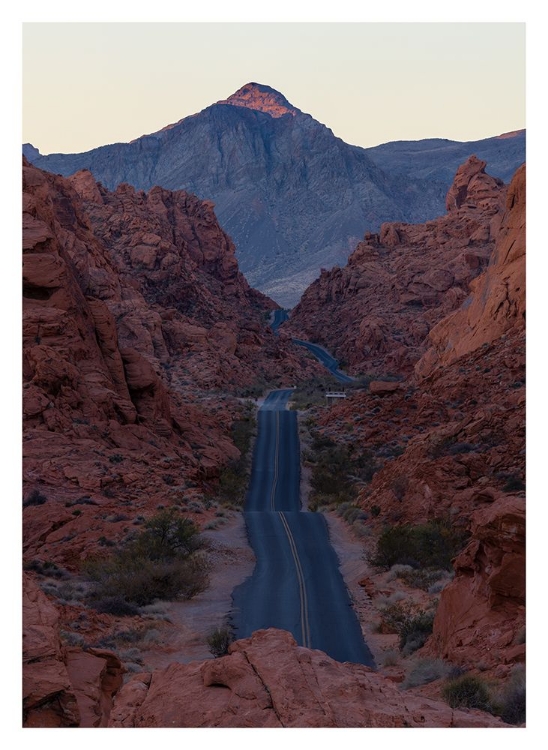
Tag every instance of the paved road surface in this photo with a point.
(280, 316)
(296, 584)
(327, 360)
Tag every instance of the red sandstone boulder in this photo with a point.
(62, 688)
(269, 681)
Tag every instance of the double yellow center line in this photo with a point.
(305, 625)
(276, 464)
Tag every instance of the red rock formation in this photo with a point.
(481, 615)
(62, 688)
(133, 308)
(450, 443)
(269, 681)
(375, 313)
(497, 301)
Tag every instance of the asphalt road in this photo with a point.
(278, 318)
(327, 360)
(296, 585)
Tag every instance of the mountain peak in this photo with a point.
(262, 98)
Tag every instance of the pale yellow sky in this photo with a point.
(88, 84)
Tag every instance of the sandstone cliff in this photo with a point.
(449, 443)
(133, 310)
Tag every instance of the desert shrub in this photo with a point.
(219, 640)
(514, 484)
(510, 704)
(375, 510)
(467, 691)
(116, 458)
(390, 658)
(337, 470)
(46, 568)
(423, 671)
(161, 562)
(413, 626)
(415, 631)
(422, 578)
(35, 497)
(166, 535)
(141, 581)
(72, 639)
(457, 448)
(430, 545)
(234, 476)
(115, 605)
(233, 480)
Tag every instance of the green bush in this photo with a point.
(510, 704)
(415, 631)
(423, 671)
(219, 640)
(141, 581)
(161, 562)
(412, 625)
(467, 691)
(430, 545)
(166, 535)
(421, 578)
(35, 497)
(337, 470)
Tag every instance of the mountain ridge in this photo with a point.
(293, 196)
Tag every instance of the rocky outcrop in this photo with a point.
(62, 687)
(133, 309)
(496, 304)
(269, 681)
(481, 615)
(375, 313)
(449, 443)
(292, 196)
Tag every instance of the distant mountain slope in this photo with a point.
(293, 197)
(438, 158)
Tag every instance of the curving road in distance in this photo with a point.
(296, 585)
(329, 362)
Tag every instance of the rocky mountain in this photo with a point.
(134, 310)
(374, 313)
(293, 197)
(438, 158)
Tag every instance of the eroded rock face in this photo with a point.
(269, 681)
(449, 443)
(133, 310)
(375, 313)
(481, 615)
(62, 688)
(496, 304)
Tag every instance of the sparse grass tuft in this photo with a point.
(219, 640)
(467, 691)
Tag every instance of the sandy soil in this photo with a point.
(233, 561)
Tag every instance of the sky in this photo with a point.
(89, 84)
